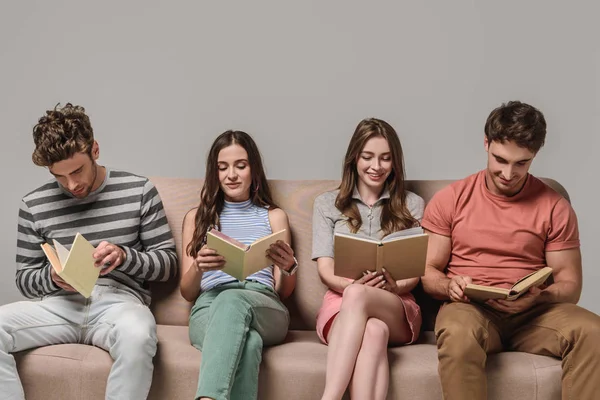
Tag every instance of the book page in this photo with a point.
(353, 255)
(229, 239)
(79, 270)
(256, 258)
(483, 293)
(62, 252)
(403, 233)
(528, 281)
(234, 256)
(404, 257)
(52, 257)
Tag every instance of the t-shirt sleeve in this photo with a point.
(439, 212)
(323, 228)
(563, 233)
(416, 206)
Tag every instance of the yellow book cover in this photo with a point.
(75, 266)
(242, 260)
(483, 293)
(402, 253)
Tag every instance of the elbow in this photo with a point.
(187, 295)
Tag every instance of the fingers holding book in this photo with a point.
(456, 288)
(108, 256)
(372, 279)
(60, 282)
(208, 260)
(281, 254)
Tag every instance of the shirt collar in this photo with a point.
(384, 195)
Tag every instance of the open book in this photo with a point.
(482, 293)
(75, 266)
(242, 260)
(402, 253)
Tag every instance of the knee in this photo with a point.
(459, 331)
(137, 332)
(376, 335)
(229, 304)
(588, 330)
(354, 297)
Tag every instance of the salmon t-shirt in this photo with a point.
(497, 240)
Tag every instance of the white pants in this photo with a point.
(112, 319)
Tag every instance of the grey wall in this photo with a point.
(161, 79)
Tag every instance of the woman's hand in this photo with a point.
(372, 279)
(282, 255)
(208, 260)
(390, 283)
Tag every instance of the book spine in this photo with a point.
(379, 263)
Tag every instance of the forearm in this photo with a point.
(190, 283)
(285, 285)
(336, 283)
(406, 285)
(157, 265)
(435, 283)
(36, 282)
(560, 292)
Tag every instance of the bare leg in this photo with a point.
(346, 335)
(371, 376)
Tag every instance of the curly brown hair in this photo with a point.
(395, 215)
(517, 122)
(60, 134)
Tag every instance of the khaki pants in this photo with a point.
(467, 332)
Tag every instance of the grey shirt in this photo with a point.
(327, 219)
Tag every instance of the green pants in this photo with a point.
(230, 324)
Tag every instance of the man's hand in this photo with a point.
(109, 255)
(60, 282)
(456, 288)
(523, 303)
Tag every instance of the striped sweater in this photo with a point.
(125, 210)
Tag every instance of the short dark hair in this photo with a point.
(517, 122)
(60, 134)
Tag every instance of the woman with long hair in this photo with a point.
(231, 320)
(360, 318)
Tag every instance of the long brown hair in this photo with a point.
(212, 198)
(395, 215)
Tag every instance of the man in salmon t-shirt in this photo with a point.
(493, 228)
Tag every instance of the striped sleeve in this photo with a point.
(157, 261)
(33, 269)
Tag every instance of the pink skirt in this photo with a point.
(332, 302)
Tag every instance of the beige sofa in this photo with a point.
(294, 370)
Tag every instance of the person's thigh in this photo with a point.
(465, 321)
(550, 329)
(380, 304)
(54, 320)
(117, 313)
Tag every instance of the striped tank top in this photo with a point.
(245, 222)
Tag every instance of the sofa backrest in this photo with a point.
(296, 198)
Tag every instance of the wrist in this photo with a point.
(291, 270)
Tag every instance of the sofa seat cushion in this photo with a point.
(64, 371)
(293, 370)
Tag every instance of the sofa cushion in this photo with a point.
(64, 371)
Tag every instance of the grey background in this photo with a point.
(161, 79)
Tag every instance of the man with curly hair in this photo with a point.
(121, 214)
